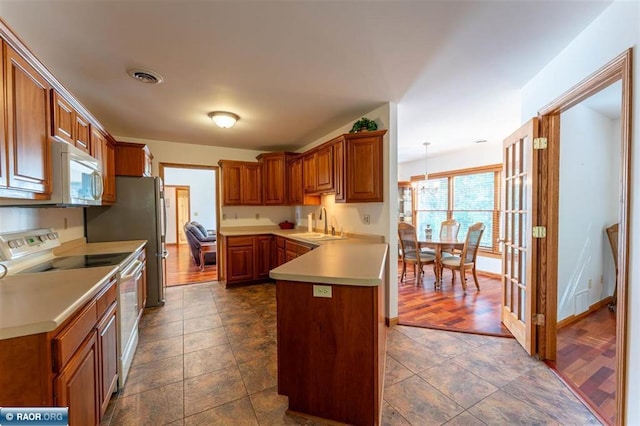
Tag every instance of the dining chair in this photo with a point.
(467, 259)
(612, 234)
(448, 231)
(411, 251)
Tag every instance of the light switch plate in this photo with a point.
(322, 291)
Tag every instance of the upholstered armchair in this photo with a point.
(196, 235)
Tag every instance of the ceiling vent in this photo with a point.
(145, 76)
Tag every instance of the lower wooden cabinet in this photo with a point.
(76, 386)
(249, 258)
(73, 366)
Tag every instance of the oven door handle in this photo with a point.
(136, 267)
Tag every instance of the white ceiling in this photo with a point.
(295, 71)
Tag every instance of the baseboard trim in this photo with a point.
(575, 318)
(391, 321)
(489, 274)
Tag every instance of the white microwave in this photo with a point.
(76, 179)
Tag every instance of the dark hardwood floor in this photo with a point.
(586, 358)
(181, 268)
(449, 308)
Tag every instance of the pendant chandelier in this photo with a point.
(424, 186)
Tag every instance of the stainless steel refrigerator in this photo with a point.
(139, 213)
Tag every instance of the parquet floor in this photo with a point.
(182, 270)
(449, 308)
(586, 357)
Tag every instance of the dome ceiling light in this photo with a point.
(224, 119)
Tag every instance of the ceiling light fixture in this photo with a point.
(481, 141)
(224, 119)
(425, 186)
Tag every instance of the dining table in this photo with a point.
(440, 245)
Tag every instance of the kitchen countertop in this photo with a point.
(356, 260)
(39, 302)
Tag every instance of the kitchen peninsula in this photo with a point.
(330, 323)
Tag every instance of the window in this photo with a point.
(468, 196)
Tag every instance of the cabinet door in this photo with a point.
(109, 172)
(251, 184)
(296, 189)
(240, 259)
(273, 180)
(264, 256)
(64, 118)
(309, 172)
(108, 365)
(324, 163)
(231, 176)
(28, 127)
(82, 133)
(338, 167)
(77, 385)
(4, 180)
(364, 169)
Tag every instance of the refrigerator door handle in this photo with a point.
(164, 254)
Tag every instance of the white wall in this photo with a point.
(349, 217)
(476, 155)
(23, 218)
(614, 31)
(202, 192)
(172, 152)
(170, 200)
(589, 181)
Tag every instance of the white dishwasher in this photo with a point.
(128, 277)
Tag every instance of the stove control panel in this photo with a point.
(14, 245)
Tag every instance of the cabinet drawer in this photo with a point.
(106, 298)
(239, 241)
(70, 338)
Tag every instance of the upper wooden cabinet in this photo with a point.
(275, 177)
(103, 150)
(358, 171)
(25, 154)
(68, 125)
(318, 171)
(133, 159)
(296, 193)
(241, 183)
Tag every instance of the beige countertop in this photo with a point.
(357, 260)
(34, 303)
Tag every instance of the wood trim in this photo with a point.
(217, 184)
(489, 274)
(391, 321)
(575, 318)
(619, 68)
(458, 172)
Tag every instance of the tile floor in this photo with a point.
(209, 357)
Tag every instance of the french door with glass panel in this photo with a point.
(519, 253)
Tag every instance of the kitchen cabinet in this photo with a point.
(276, 177)
(331, 351)
(309, 172)
(324, 169)
(103, 150)
(296, 193)
(280, 251)
(68, 125)
(133, 159)
(241, 183)
(358, 167)
(248, 258)
(25, 155)
(72, 366)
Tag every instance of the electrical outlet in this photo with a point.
(366, 218)
(224, 216)
(590, 284)
(195, 213)
(257, 216)
(322, 291)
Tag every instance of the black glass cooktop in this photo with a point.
(78, 262)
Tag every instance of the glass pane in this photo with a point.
(516, 264)
(432, 194)
(433, 218)
(516, 229)
(468, 218)
(523, 268)
(517, 165)
(522, 305)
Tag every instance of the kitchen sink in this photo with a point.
(316, 236)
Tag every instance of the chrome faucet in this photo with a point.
(323, 210)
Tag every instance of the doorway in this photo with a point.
(192, 193)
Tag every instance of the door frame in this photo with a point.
(618, 69)
(216, 179)
(182, 188)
